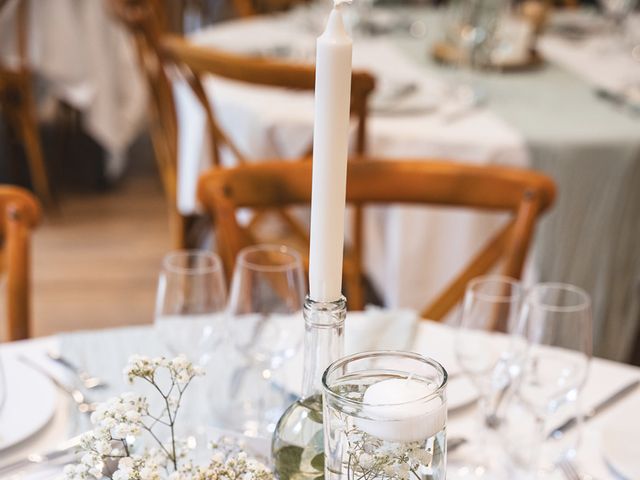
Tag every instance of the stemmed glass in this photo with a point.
(190, 302)
(266, 327)
(471, 29)
(557, 322)
(616, 12)
(489, 347)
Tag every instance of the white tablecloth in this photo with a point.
(105, 352)
(269, 122)
(87, 60)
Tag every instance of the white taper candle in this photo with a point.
(330, 150)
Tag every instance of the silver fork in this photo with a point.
(89, 381)
(82, 403)
(568, 468)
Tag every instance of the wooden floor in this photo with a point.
(96, 263)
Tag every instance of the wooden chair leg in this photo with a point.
(18, 277)
(355, 294)
(28, 130)
(178, 228)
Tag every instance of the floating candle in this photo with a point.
(400, 410)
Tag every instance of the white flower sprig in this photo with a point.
(108, 448)
(370, 457)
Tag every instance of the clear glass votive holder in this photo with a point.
(385, 417)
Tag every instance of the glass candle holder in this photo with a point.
(385, 417)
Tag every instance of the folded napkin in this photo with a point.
(372, 329)
(379, 329)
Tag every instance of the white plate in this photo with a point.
(396, 97)
(460, 393)
(30, 404)
(620, 440)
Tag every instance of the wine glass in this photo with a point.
(489, 348)
(266, 327)
(471, 27)
(616, 13)
(556, 320)
(190, 302)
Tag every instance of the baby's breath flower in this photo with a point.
(118, 421)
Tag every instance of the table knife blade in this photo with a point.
(599, 408)
(66, 448)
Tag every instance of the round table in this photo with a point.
(105, 353)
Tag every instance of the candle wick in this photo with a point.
(340, 3)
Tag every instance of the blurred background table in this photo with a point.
(547, 118)
(80, 55)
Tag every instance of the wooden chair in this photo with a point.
(196, 62)
(146, 22)
(248, 8)
(525, 194)
(20, 214)
(18, 104)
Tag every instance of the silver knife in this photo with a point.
(66, 448)
(599, 408)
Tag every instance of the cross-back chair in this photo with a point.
(146, 21)
(523, 193)
(248, 8)
(19, 214)
(197, 62)
(19, 107)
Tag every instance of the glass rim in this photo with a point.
(488, 297)
(385, 353)
(295, 262)
(213, 267)
(559, 286)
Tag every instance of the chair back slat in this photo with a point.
(197, 62)
(444, 183)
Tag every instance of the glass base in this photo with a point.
(481, 459)
(258, 403)
(250, 420)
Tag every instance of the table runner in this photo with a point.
(592, 150)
